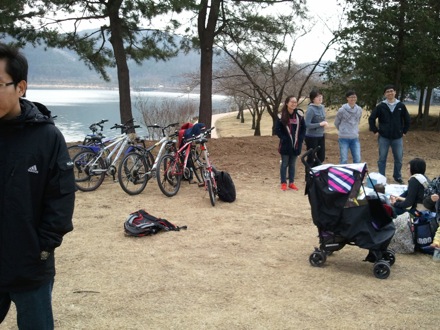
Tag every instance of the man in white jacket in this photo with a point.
(347, 122)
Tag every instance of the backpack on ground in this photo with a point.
(424, 227)
(141, 223)
(225, 187)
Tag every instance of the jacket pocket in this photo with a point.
(66, 176)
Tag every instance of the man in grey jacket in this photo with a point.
(347, 122)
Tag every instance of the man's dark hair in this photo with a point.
(16, 63)
(417, 166)
(387, 87)
(350, 93)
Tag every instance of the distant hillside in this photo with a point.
(63, 67)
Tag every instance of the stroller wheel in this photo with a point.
(389, 256)
(317, 258)
(382, 269)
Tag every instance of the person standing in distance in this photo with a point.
(347, 122)
(37, 195)
(394, 120)
(315, 124)
(290, 129)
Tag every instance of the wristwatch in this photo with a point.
(44, 255)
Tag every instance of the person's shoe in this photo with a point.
(292, 186)
(284, 186)
(399, 181)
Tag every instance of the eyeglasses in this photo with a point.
(6, 84)
(389, 91)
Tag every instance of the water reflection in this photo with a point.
(76, 109)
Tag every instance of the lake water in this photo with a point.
(76, 109)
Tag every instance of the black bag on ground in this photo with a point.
(141, 223)
(424, 228)
(225, 187)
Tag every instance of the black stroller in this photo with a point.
(343, 219)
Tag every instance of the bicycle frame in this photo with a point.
(207, 166)
(163, 143)
(119, 143)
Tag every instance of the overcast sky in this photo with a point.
(325, 13)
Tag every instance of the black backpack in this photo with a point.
(141, 223)
(225, 187)
(424, 227)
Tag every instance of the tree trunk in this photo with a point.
(254, 114)
(421, 97)
(206, 31)
(257, 131)
(426, 110)
(117, 42)
(240, 114)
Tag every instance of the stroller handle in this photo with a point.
(307, 153)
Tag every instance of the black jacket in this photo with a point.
(37, 195)
(392, 125)
(413, 195)
(292, 135)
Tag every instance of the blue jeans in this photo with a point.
(397, 149)
(288, 162)
(355, 149)
(34, 308)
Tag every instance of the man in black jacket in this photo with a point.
(394, 120)
(37, 195)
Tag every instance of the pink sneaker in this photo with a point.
(284, 186)
(292, 186)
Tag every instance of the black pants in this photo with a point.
(312, 143)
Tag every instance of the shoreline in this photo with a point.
(216, 117)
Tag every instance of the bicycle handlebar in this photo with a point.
(163, 127)
(93, 128)
(125, 127)
(200, 136)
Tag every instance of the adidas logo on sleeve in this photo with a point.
(33, 169)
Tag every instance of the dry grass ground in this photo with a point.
(242, 265)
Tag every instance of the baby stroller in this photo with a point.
(343, 219)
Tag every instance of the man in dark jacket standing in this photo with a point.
(394, 123)
(37, 195)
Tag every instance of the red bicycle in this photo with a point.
(186, 161)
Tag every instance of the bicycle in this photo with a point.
(95, 138)
(92, 164)
(139, 166)
(173, 167)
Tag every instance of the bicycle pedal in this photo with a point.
(201, 185)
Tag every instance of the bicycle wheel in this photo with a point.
(210, 186)
(169, 174)
(75, 150)
(89, 170)
(133, 173)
